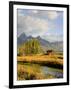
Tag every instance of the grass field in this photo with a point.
(50, 60)
(28, 67)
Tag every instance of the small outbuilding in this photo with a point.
(49, 52)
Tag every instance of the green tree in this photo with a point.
(20, 51)
(32, 47)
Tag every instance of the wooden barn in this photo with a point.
(49, 52)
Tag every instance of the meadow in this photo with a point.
(29, 67)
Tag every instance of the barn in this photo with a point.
(49, 52)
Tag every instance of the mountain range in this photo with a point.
(46, 45)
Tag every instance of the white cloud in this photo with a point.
(52, 14)
(35, 11)
(20, 12)
(31, 25)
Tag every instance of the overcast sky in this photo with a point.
(46, 24)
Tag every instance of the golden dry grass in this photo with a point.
(30, 72)
(42, 58)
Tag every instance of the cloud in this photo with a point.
(20, 12)
(34, 11)
(32, 25)
(52, 15)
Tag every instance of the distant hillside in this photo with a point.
(46, 45)
(21, 39)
